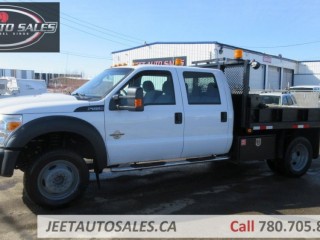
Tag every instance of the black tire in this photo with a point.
(274, 166)
(56, 178)
(298, 157)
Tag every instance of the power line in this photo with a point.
(95, 35)
(93, 27)
(84, 55)
(81, 54)
(125, 39)
(285, 46)
(137, 40)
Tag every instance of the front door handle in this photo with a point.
(178, 118)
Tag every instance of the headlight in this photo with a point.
(8, 124)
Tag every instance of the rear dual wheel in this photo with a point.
(296, 161)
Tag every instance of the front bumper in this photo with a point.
(8, 160)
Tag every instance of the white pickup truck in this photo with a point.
(147, 116)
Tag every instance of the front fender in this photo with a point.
(52, 124)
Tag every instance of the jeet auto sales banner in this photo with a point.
(29, 27)
(161, 61)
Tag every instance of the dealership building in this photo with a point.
(275, 73)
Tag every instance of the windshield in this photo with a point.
(101, 85)
(270, 99)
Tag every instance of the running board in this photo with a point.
(161, 164)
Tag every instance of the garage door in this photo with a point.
(273, 82)
(287, 79)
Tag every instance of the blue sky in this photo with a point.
(92, 29)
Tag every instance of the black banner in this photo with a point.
(29, 27)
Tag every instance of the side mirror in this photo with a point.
(133, 100)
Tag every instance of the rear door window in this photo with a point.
(201, 88)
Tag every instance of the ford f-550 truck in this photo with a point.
(149, 116)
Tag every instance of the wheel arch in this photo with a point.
(286, 137)
(52, 124)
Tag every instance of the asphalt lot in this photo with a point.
(219, 188)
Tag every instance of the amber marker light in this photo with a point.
(11, 126)
(178, 62)
(238, 54)
(138, 102)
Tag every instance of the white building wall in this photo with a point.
(308, 74)
(194, 52)
(309, 67)
(205, 51)
(263, 59)
(267, 79)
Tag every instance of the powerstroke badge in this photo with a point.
(29, 27)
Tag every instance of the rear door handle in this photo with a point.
(224, 116)
(178, 118)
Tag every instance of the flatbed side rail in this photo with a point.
(265, 118)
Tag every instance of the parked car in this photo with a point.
(278, 98)
(12, 87)
(306, 88)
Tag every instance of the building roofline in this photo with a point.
(154, 43)
(208, 42)
(309, 61)
(257, 52)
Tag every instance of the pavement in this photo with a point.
(214, 188)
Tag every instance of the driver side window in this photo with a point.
(157, 87)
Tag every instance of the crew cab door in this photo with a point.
(153, 134)
(208, 113)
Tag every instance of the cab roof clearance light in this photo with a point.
(238, 54)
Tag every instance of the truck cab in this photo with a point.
(128, 116)
(187, 113)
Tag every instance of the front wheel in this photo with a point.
(298, 157)
(56, 178)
